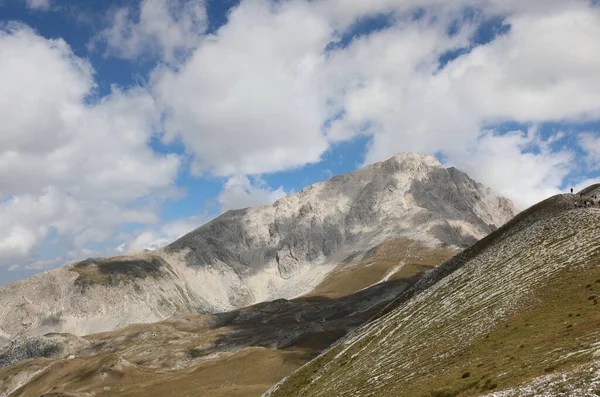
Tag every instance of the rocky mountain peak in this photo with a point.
(253, 255)
(409, 162)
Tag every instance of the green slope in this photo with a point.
(518, 308)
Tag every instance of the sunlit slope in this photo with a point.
(512, 315)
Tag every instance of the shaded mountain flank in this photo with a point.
(516, 314)
(278, 251)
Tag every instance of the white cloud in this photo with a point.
(148, 240)
(39, 5)
(585, 183)
(543, 69)
(13, 268)
(159, 237)
(342, 14)
(167, 28)
(386, 86)
(240, 192)
(590, 143)
(67, 165)
(43, 264)
(249, 99)
(519, 165)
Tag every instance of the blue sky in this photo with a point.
(129, 123)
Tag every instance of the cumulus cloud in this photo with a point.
(345, 12)
(586, 183)
(164, 28)
(241, 192)
(520, 165)
(238, 192)
(28, 219)
(248, 100)
(533, 73)
(38, 5)
(155, 238)
(590, 143)
(544, 69)
(67, 165)
(386, 86)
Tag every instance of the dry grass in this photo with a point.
(556, 333)
(520, 304)
(417, 259)
(247, 372)
(558, 330)
(139, 360)
(122, 364)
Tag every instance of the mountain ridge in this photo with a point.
(247, 256)
(513, 315)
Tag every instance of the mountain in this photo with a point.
(284, 250)
(516, 314)
(237, 353)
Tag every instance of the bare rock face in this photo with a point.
(252, 255)
(410, 195)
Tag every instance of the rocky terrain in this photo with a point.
(237, 353)
(514, 315)
(279, 251)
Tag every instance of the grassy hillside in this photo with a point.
(513, 313)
